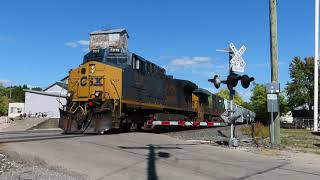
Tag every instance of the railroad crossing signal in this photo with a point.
(232, 81)
(237, 63)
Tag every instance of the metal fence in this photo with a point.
(299, 123)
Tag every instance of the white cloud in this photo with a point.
(200, 66)
(74, 44)
(71, 44)
(189, 61)
(83, 42)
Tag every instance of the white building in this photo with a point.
(47, 101)
(15, 109)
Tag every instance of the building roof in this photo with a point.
(110, 31)
(44, 93)
(61, 84)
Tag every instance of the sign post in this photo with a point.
(273, 90)
(236, 64)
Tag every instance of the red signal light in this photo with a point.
(90, 103)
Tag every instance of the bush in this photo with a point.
(259, 130)
(4, 102)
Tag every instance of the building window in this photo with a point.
(19, 110)
(114, 37)
(13, 110)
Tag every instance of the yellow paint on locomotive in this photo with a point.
(195, 102)
(93, 77)
(198, 107)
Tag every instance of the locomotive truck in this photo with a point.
(116, 89)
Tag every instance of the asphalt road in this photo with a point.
(151, 156)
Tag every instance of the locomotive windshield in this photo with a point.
(105, 56)
(94, 56)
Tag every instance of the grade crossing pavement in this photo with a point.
(153, 156)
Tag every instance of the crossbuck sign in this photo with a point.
(237, 63)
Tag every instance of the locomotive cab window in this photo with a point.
(142, 67)
(137, 64)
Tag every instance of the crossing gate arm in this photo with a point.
(185, 123)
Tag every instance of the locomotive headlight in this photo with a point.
(69, 94)
(97, 93)
(92, 68)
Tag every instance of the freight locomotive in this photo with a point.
(116, 89)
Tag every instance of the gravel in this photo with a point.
(208, 134)
(219, 136)
(10, 170)
(6, 165)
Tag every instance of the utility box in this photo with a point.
(105, 39)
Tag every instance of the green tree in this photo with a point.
(3, 100)
(258, 103)
(17, 93)
(37, 88)
(224, 93)
(300, 88)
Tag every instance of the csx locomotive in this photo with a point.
(116, 89)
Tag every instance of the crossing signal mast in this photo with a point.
(236, 65)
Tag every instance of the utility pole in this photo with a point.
(274, 61)
(316, 57)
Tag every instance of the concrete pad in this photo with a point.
(23, 124)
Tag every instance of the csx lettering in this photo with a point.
(96, 81)
(83, 81)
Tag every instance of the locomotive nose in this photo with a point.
(90, 82)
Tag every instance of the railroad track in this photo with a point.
(24, 136)
(190, 133)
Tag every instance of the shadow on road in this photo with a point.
(152, 158)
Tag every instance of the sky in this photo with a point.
(40, 41)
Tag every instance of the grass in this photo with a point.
(259, 130)
(300, 140)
